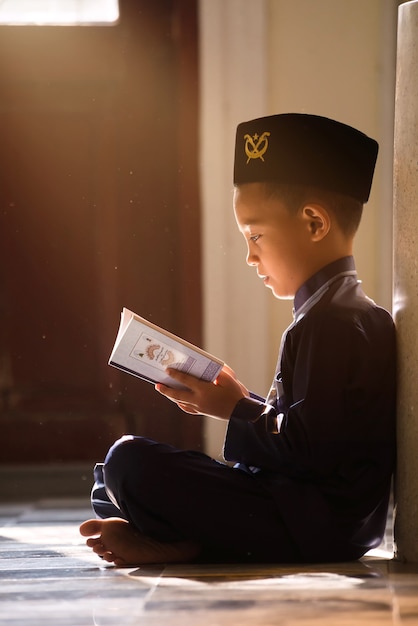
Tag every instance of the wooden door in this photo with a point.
(99, 209)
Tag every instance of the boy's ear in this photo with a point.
(317, 219)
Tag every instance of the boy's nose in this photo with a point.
(251, 258)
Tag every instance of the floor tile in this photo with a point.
(48, 577)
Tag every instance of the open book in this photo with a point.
(146, 350)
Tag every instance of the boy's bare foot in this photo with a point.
(116, 541)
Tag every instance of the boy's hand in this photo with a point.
(216, 399)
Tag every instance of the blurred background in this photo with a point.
(116, 149)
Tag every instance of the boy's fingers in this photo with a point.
(191, 382)
(178, 395)
(178, 375)
(187, 408)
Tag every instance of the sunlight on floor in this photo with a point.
(49, 577)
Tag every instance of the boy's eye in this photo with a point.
(254, 238)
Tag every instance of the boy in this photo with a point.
(313, 462)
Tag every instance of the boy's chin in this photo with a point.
(280, 294)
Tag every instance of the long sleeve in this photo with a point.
(337, 372)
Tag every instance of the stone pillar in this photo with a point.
(406, 279)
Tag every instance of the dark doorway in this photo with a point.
(99, 209)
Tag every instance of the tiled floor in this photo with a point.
(49, 577)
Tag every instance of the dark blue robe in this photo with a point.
(327, 435)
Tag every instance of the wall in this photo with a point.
(406, 281)
(329, 57)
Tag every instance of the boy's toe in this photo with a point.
(91, 527)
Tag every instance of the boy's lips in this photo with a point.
(263, 278)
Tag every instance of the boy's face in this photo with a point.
(278, 241)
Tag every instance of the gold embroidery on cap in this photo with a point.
(256, 146)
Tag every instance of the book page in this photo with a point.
(146, 350)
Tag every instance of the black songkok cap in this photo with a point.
(296, 148)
